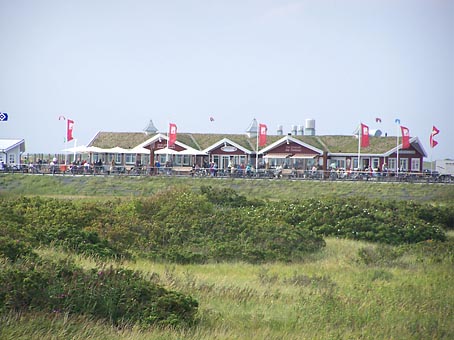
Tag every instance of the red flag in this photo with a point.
(172, 134)
(69, 130)
(433, 142)
(262, 134)
(405, 137)
(364, 135)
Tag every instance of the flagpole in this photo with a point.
(431, 142)
(360, 132)
(65, 139)
(74, 154)
(397, 149)
(257, 150)
(432, 145)
(167, 147)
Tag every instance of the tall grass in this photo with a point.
(331, 295)
(272, 189)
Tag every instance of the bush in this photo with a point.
(224, 196)
(179, 225)
(15, 249)
(433, 251)
(114, 294)
(381, 255)
(388, 222)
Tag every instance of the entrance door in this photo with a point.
(224, 162)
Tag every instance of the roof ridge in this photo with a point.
(253, 148)
(195, 142)
(323, 144)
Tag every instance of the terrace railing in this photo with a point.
(289, 174)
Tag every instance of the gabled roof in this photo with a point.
(203, 141)
(9, 144)
(414, 142)
(227, 141)
(332, 144)
(158, 137)
(349, 144)
(286, 140)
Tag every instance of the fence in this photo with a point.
(292, 174)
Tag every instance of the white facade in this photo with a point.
(11, 151)
(445, 167)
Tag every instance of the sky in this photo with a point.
(112, 65)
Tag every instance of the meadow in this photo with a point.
(349, 288)
(271, 189)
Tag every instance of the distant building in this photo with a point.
(11, 151)
(290, 151)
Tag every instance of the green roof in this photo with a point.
(126, 140)
(205, 140)
(201, 141)
(349, 144)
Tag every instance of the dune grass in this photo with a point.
(102, 187)
(331, 295)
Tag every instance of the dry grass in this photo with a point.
(330, 295)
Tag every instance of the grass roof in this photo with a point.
(201, 141)
(126, 140)
(349, 144)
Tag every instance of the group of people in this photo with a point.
(240, 170)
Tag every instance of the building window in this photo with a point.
(118, 158)
(130, 158)
(182, 160)
(146, 159)
(178, 160)
(392, 164)
(415, 164)
(339, 162)
(216, 159)
(12, 159)
(375, 163)
(403, 164)
(162, 159)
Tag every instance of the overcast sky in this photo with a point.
(113, 65)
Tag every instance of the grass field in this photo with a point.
(272, 189)
(332, 294)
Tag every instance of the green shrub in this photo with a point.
(15, 249)
(432, 251)
(114, 294)
(380, 255)
(224, 196)
(387, 222)
(182, 226)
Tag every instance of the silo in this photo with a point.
(300, 130)
(294, 130)
(280, 131)
(310, 127)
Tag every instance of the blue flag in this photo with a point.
(3, 116)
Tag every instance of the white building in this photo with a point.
(11, 151)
